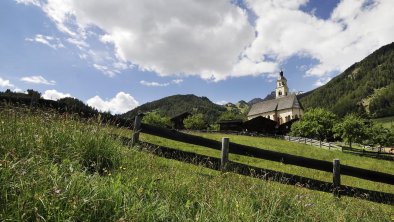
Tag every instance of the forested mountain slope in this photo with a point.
(177, 104)
(367, 87)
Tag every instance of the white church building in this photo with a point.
(283, 108)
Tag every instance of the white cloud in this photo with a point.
(54, 95)
(50, 41)
(322, 81)
(37, 80)
(175, 81)
(121, 103)
(4, 83)
(222, 102)
(27, 2)
(214, 40)
(204, 38)
(146, 83)
(353, 31)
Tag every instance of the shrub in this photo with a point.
(155, 119)
(195, 122)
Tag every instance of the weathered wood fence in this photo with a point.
(228, 147)
(313, 142)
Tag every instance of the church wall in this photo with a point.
(281, 113)
(284, 114)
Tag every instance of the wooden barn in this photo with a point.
(177, 121)
(230, 125)
(260, 124)
(285, 128)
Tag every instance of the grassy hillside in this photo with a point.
(357, 88)
(53, 168)
(177, 104)
(291, 148)
(387, 122)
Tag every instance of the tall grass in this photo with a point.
(55, 168)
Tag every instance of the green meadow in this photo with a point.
(57, 168)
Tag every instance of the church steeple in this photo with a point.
(281, 86)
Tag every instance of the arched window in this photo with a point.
(280, 93)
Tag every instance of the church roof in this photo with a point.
(287, 102)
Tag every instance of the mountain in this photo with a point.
(366, 87)
(174, 105)
(257, 100)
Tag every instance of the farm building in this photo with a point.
(177, 121)
(230, 125)
(284, 108)
(260, 124)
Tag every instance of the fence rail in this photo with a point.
(265, 174)
(309, 141)
(285, 158)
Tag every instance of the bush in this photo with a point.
(155, 119)
(351, 129)
(195, 122)
(316, 123)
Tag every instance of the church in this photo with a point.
(283, 108)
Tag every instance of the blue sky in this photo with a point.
(115, 55)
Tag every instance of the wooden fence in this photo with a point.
(234, 148)
(313, 142)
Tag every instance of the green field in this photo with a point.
(55, 168)
(387, 122)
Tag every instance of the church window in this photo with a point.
(280, 93)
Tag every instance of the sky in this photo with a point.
(115, 55)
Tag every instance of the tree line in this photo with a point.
(322, 124)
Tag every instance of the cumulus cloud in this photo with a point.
(37, 80)
(121, 103)
(204, 38)
(4, 83)
(50, 41)
(215, 40)
(54, 95)
(354, 30)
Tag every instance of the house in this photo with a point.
(284, 108)
(177, 121)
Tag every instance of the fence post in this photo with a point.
(224, 154)
(329, 145)
(305, 140)
(336, 180)
(136, 130)
(320, 143)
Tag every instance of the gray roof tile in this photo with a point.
(287, 102)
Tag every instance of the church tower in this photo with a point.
(281, 86)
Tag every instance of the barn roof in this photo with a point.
(287, 102)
